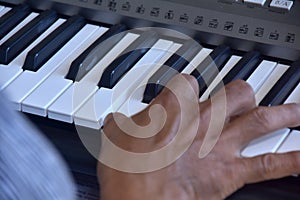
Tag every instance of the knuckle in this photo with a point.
(241, 91)
(261, 117)
(112, 121)
(108, 120)
(268, 165)
(248, 91)
(244, 86)
(168, 103)
(190, 78)
(180, 80)
(166, 98)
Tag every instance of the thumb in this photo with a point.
(271, 166)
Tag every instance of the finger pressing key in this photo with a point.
(236, 98)
(263, 120)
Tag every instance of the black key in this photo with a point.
(94, 53)
(209, 68)
(283, 87)
(242, 70)
(19, 41)
(127, 60)
(12, 18)
(175, 64)
(52, 43)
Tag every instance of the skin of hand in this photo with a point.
(223, 170)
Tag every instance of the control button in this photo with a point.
(126, 6)
(198, 20)
(112, 6)
(98, 2)
(259, 32)
(184, 18)
(259, 2)
(244, 29)
(213, 23)
(282, 4)
(228, 26)
(169, 14)
(155, 12)
(290, 38)
(274, 35)
(140, 9)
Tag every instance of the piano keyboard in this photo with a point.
(39, 73)
(58, 71)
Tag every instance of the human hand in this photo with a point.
(213, 176)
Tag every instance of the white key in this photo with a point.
(104, 101)
(134, 103)
(4, 10)
(271, 80)
(50, 89)
(203, 53)
(73, 98)
(18, 27)
(9, 72)
(292, 143)
(266, 144)
(4, 78)
(294, 96)
(260, 75)
(228, 66)
(25, 83)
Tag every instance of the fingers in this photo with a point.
(180, 94)
(181, 105)
(119, 130)
(270, 166)
(263, 120)
(182, 85)
(236, 98)
(162, 118)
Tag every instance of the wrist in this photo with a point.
(145, 190)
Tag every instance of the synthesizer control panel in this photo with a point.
(243, 24)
